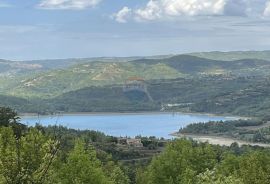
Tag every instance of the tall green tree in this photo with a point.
(82, 166)
(211, 177)
(9, 118)
(27, 159)
(252, 167)
(180, 163)
(115, 173)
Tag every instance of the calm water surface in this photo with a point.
(152, 124)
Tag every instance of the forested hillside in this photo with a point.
(190, 83)
(236, 96)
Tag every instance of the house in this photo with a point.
(130, 142)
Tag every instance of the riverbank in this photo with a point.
(216, 140)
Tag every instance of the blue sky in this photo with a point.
(45, 29)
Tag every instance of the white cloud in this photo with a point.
(68, 4)
(193, 7)
(175, 8)
(122, 15)
(172, 9)
(267, 9)
(152, 11)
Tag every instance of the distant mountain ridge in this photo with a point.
(51, 64)
(234, 55)
(51, 78)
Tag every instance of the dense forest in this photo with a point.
(60, 155)
(243, 96)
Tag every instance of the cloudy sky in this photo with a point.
(39, 29)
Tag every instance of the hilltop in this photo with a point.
(234, 55)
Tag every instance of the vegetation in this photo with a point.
(60, 155)
(222, 83)
(235, 55)
(200, 82)
(251, 130)
(36, 156)
(243, 96)
(41, 79)
(190, 162)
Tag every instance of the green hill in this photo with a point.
(56, 82)
(196, 66)
(234, 55)
(51, 83)
(245, 96)
(90, 85)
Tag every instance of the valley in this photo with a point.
(180, 83)
(134, 92)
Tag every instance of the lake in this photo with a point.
(145, 124)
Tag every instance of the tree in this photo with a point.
(112, 169)
(117, 176)
(252, 167)
(255, 168)
(27, 159)
(211, 177)
(9, 118)
(181, 162)
(82, 166)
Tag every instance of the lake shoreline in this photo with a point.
(229, 116)
(159, 124)
(217, 140)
